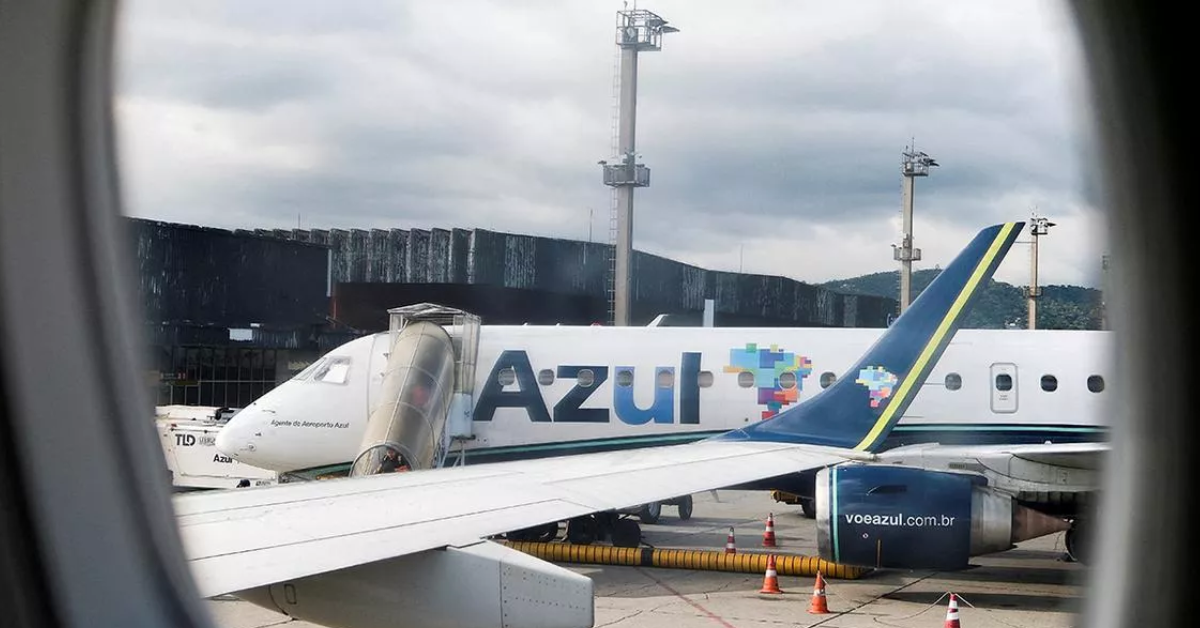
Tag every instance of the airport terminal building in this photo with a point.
(229, 314)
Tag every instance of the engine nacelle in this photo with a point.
(890, 516)
(484, 584)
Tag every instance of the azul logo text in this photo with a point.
(523, 392)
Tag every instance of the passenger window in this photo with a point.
(746, 379)
(666, 379)
(705, 379)
(827, 379)
(545, 377)
(1095, 383)
(624, 378)
(586, 378)
(1004, 382)
(953, 381)
(506, 377)
(787, 380)
(1049, 383)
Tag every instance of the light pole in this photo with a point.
(1038, 226)
(912, 165)
(637, 31)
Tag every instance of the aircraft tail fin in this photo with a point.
(860, 409)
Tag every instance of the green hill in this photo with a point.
(1000, 304)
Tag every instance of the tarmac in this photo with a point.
(1029, 586)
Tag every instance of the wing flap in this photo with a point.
(1087, 455)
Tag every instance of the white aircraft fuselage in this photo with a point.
(558, 390)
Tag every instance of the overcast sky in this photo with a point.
(773, 130)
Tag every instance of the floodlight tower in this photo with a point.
(1038, 226)
(912, 165)
(637, 31)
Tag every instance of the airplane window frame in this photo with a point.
(1009, 384)
(792, 380)
(665, 378)
(585, 378)
(624, 378)
(827, 379)
(745, 379)
(1095, 383)
(952, 381)
(545, 377)
(705, 379)
(1049, 383)
(1139, 109)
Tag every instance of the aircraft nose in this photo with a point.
(237, 438)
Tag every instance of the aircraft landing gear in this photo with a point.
(1077, 542)
(622, 531)
(650, 513)
(685, 507)
(626, 533)
(583, 530)
(542, 533)
(809, 507)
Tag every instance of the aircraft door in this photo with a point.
(1004, 387)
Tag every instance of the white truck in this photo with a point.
(188, 435)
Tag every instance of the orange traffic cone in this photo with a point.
(769, 534)
(952, 612)
(818, 606)
(771, 581)
(729, 548)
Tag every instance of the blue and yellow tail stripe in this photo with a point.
(858, 414)
(941, 336)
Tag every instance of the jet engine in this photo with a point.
(890, 516)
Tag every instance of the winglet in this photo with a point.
(862, 407)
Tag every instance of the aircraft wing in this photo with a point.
(1083, 456)
(240, 539)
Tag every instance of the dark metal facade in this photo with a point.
(217, 277)
(478, 257)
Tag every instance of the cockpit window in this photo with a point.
(332, 370)
(308, 370)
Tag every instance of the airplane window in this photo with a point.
(705, 379)
(787, 380)
(745, 379)
(666, 379)
(1049, 383)
(1095, 383)
(334, 371)
(586, 378)
(1004, 382)
(506, 377)
(545, 377)
(624, 377)
(953, 381)
(308, 370)
(827, 379)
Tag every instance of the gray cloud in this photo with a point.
(773, 132)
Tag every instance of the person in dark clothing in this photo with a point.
(392, 462)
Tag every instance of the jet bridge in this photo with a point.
(427, 392)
